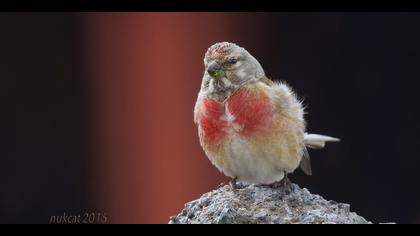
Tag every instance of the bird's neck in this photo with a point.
(221, 90)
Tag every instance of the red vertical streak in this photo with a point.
(145, 72)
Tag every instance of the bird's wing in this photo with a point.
(305, 163)
(266, 81)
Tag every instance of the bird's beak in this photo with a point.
(215, 70)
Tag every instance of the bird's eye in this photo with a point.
(232, 61)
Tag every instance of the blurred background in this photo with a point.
(98, 109)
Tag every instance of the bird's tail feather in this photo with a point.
(317, 141)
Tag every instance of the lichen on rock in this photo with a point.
(256, 204)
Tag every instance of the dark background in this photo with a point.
(43, 165)
(358, 73)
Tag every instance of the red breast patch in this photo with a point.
(252, 111)
(212, 124)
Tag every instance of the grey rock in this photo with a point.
(256, 204)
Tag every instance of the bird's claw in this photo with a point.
(233, 184)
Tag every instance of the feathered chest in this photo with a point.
(246, 112)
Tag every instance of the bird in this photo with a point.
(250, 127)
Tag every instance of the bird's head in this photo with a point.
(227, 67)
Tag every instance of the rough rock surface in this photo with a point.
(253, 204)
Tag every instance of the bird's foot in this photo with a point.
(221, 185)
(285, 185)
(233, 184)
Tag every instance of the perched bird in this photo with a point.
(250, 127)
